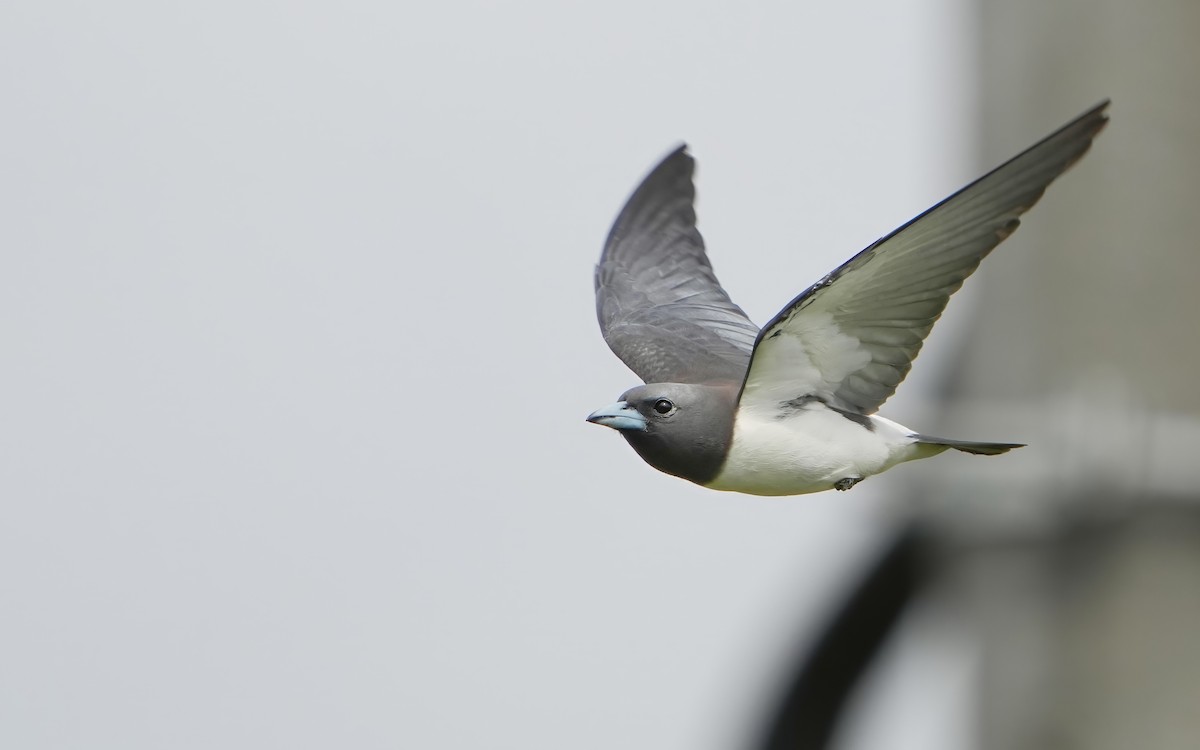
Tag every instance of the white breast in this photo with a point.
(808, 451)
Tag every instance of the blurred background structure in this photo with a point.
(1067, 578)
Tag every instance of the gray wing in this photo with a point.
(851, 338)
(660, 306)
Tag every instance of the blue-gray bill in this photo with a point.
(790, 409)
(619, 416)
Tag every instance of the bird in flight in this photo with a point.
(790, 409)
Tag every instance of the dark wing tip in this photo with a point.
(670, 180)
(1089, 125)
(678, 160)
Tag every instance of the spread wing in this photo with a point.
(660, 306)
(850, 339)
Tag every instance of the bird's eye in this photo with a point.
(662, 406)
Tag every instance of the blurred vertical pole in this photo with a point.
(1080, 571)
(1072, 566)
(1086, 320)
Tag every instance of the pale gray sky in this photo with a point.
(298, 338)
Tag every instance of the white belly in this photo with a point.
(808, 452)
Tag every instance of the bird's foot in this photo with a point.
(846, 483)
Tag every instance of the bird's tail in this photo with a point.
(967, 446)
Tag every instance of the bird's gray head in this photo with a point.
(679, 428)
